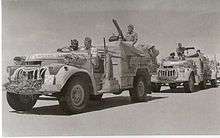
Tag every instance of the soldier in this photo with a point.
(153, 53)
(88, 43)
(180, 51)
(172, 55)
(73, 47)
(131, 35)
(88, 46)
(91, 50)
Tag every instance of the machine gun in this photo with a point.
(182, 49)
(188, 48)
(120, 33)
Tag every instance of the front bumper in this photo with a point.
(31, 80)
(30, 87)
(179, 79)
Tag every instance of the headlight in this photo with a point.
(10, 70)
(19, 60)
(182, 70)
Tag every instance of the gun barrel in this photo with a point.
(118, 28)
(187, 48)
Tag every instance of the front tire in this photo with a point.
(155, 87)
(189, 86)
(20, 102)
(214, 83)
(76, 96)
(172, 85)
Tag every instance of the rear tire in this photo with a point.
(202, 84)
(189, 86)
(21, 102)
(138, 93)
(76, 96)
(96, 97)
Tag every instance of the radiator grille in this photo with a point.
(167, 73)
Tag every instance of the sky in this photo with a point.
(42, 26)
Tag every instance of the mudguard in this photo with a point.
(66, 72)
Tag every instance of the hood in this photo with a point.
(71, 58)
(49, 56)
(177, 63)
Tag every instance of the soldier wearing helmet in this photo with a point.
(131, 35)
(172, 56)
(74, 46)
(88, 43)
(180, 51)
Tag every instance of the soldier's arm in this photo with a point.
(63, 49)
(135, 38)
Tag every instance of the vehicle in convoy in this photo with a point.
(194, 69)
(76, 77)
(218, 70)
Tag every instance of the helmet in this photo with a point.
(131, 26)
(88, 39)
(74, 42)
(172, 54)
(179, 44)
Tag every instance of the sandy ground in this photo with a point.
(168, 112)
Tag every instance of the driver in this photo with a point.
(172, 56)
(74, 46)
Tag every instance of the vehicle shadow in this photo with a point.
(106, 103)
(181, 90)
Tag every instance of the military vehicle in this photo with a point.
(75, 77)
(193, 69)
(218, 70)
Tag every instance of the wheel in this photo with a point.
(155, 87)
(138, 92)
(202, 84)
(21, 102)
(213, 82)
(172, 85)
(96, 97)
(117, 93)
(189, 86)
(76, 96)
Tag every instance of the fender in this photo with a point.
(184, 76)
(214, 74)
(67, 71)
(189, 72)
